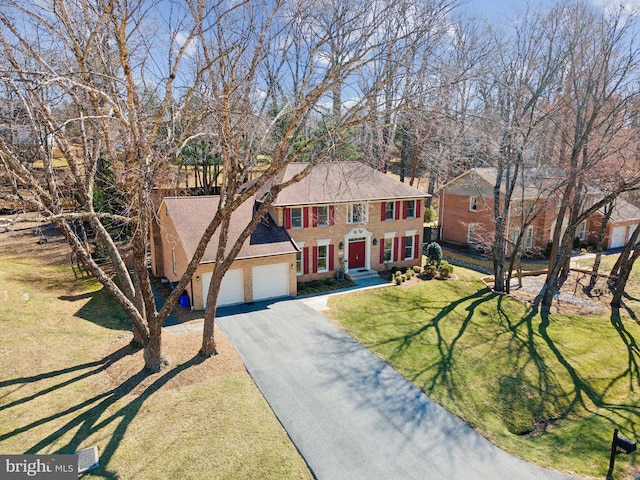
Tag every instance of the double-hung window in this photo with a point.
(389, 210)
(473, 204)
(323, 255)
(471, 233)
(323, 216)
(296, 217)
(528, 237)
(411, 209)
(388, 249)
(408, 247)
(357, 213)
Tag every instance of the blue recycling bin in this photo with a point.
(184, 300)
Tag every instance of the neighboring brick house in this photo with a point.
(343, 215)
(466, 212)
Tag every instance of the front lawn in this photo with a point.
(69, 381)
(547, 388)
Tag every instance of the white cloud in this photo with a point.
(322, 58)
(632, 7)
(180, 40)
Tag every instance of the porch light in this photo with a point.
(341, 245)
(375, 241)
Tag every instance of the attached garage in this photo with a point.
(231, 288)
(270, 281)
(618, 237)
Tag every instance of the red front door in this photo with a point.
(356, 255)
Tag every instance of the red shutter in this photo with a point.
(331, 257)
(305, 217)
(402, 245)
(405, 207)
(332, 213)
(418, 203)
(314, 264)
(305, 260)
(396, 249)
(287, 218)
(416, 246)
(314, 219)
(381, 241)
(383, 211)
(397, 216)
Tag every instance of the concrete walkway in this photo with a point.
(351, 415)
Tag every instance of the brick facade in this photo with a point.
(338, 234)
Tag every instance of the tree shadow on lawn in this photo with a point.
(101, 309)
(529, 403)
(551, 402)
(100, 365)
(632, 347)
(444, 365)
(582, 389)
(88, 422)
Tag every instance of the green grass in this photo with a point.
(69, 381)
(547, 388)
(633, 284)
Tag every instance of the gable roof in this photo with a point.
(536, 181)
(339, 182)
(541, 182)
(192, 215)
(623, 211)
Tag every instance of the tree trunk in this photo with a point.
(623, 276)
(626, 252)
(208, 348)
(138, 340)
(154, 359)
(596, 263)
(552, 284)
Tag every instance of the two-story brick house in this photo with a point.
(343, 215)
(466, 211)
(347, 215)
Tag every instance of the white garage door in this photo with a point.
(270, 281)
(618, 237)
(231, 288)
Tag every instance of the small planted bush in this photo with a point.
(417, 269)
(403, 278)
(398, 280)
(446, 269)
(430, 270)
(434, 254)
(409, 274)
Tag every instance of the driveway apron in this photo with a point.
(350, 415)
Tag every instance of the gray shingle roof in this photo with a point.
(341, 182)
(192, 215)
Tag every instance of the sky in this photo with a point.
(505, 8)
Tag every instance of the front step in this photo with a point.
(362, 274)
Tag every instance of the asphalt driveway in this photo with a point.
(351, 415)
